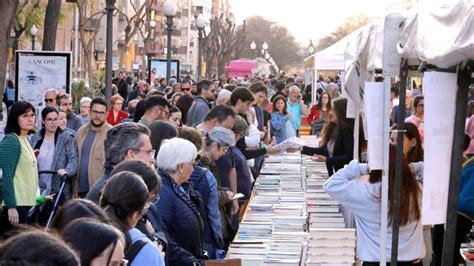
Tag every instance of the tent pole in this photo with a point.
(398, 165)
(386, 143)
(464, 80)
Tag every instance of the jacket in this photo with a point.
(279, 126)
(120, 117)
(315, 114)
(364, 199)
(204, 182)
(182, 221)
(342, 154)
(175, 254)
(466, 191)
(197, 112)
(96, 189)
(97, 156)
(10, 151)
(64, 157)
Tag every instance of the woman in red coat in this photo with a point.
(320, 113)
(115, 114)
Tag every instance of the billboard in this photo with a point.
(157, 69)
(37, 72)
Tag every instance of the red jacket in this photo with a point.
(315, 114)
(121, 116)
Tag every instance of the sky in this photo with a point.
(307, 19)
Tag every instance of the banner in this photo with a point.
(440, 107)
(374, 105)
(37, 72)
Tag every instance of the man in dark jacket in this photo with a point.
(206, 92)
(121, 84)
(128, 141)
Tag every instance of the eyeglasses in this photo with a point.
(85, 106)
(46, 100)
(66, 104)
(54, 120)
(185, 89)
(421, 105)
(155, 199)
(97, 113)
(150, 152)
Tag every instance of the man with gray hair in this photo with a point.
(49, 100)
(296, 107)
(128, 141)
(131, 108)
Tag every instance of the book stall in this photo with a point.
(290, 220)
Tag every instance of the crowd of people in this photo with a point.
(152, 178)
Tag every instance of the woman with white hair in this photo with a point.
(215, 144)
(179, 204)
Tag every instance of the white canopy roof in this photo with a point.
(332, 58)
(440, 34)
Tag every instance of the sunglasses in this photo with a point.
(48, 100)
(185, 89)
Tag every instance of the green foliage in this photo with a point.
(81, 89)
(282, 46)
(31, 14)
(350, 25)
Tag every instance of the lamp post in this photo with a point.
(33, 32)
(200, 24)
(264, 48)
(109, 49)
(253, 46)
(170, 8)
(310, 50)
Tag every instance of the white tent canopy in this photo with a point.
(332, 58)
(439, 34)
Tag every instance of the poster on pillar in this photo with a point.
(38, 71)
(157, 69)
(440, 106)
(374, 106)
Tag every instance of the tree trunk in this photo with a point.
(51, 20)
(8, 10)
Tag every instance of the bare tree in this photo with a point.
(224, 42)
(51, 20)
(27, 14)
(350, 24)
(134, 25)
(7, 9)
(87, 35)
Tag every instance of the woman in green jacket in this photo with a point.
(19, 166)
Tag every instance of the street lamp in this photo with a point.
(110, 6)
(265, 46)
(170, 8)
(200, 24)
(33, 32)
(253, 47)
(310, 50)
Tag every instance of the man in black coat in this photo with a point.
(121, 84)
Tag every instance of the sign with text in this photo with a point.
(39, 71)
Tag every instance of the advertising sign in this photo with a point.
(157, 69)
(37, 72)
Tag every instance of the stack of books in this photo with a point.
(331, 246)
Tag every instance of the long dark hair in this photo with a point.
(16, 110)
(124, 194)
(410, 193)
(139, 110)
(332, 129)
(90, 238)
(276, 99)
(319, 105)
(77, 209)
(416, 153)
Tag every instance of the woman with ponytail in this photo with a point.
(124, 199)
